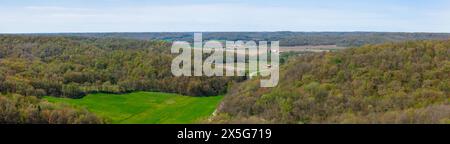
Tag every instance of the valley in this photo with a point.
(73, 79)
(146, 107)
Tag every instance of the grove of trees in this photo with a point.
(406, 82)
(16, 109)
(73, 67)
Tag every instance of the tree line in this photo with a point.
(286, 38)
(16, 109)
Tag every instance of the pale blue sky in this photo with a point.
(36, 16)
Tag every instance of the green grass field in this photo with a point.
(146, 107)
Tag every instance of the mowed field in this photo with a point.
(146, 107)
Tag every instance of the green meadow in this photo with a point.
(145, 107)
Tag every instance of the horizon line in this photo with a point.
(131, 32)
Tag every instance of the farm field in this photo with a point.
(311, 48)
(145, 107)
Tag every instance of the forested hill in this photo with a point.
(407, 82)
(73, 67)
(16, 109)
(346, 39)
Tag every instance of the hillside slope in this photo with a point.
(73, 67)
(406, 82)
(16, 109)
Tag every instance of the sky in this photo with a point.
(56, 16)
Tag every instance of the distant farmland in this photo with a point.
(311, 48)
(146, 107)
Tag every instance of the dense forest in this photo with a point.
(406, 82)
(73, 67)
(345, 39)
